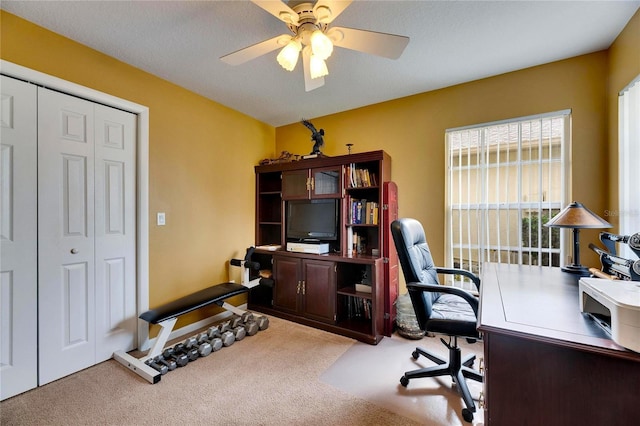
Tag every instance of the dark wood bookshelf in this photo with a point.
(314, 289)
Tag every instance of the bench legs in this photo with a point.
(137, 365)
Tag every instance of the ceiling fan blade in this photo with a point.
(279, 10)
(248, 53)
(381, 44)
(309, 83)
(326, 11)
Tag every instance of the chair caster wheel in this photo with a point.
(404, 381)
(467, 415)
(415, 354)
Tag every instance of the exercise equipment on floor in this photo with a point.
(160, 361)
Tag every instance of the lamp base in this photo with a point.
(580, 270)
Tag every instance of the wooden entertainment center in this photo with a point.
(319, 290)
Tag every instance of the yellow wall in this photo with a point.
(202, 176)
(201, 159)
(624, 66)
(412, 131)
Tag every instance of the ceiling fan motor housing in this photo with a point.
(308, 22)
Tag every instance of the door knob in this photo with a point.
(74, 251)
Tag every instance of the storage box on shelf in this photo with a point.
(320, 289)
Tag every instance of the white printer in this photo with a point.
(619, 300)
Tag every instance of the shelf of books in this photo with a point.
(362, 175)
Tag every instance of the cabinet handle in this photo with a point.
(313, 183)
(74, 251)
(481, 367)
(298, 288)
(304, 285)
(482, 403)
(308, 184)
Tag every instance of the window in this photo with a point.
(629, 158)
(504, 181)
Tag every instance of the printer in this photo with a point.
(619, 300)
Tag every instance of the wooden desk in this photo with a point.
(546, 362)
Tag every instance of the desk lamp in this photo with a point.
(577, 216)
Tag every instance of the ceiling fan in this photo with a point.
(312, 36)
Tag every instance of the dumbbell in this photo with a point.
(191, 353)
(239, 332)
(262, 321)
(204, 348)
(236, 321)
(251, 327)
(223, 332)
(179, 358)
(162, 369)
(215, 342)
(251, 323)
(169, 363)
(215, 338)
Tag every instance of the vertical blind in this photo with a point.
(629, 159)
(504, 181)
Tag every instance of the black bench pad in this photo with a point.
(193, 301)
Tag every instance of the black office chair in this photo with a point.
(439, 309)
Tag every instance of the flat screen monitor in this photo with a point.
(312, 220)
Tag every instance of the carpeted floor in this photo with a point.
(271, 378)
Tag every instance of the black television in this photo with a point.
(312, 220)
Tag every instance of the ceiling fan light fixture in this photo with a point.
(288, 56)
(317, 67)
(321, 45)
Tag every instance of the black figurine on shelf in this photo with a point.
(317, 136)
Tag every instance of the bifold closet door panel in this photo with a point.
(18, 236)
(66, 256)
(87, 233)
(115, 231)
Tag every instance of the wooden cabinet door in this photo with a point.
(286, 273)
(295, 185)
(319, 290)
(326, 182)
(322, 182)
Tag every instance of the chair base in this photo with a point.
(457, 368)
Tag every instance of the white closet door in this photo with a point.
(66, 300)
(18, 235)
(115, 231)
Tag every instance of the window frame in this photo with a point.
(628, 155)
(482, 207)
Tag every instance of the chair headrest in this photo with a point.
(413, 251)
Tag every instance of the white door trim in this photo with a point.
(17, 71)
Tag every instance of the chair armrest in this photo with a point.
(454, 271)
(438, 288)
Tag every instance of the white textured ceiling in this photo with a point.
(451, 42)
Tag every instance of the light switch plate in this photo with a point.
(161, 219)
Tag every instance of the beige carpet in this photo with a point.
(373, 373)
(271, 378)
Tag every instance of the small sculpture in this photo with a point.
(317, 136)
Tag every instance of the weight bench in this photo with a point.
(167, 315)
